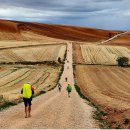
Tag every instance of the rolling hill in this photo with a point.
(30, 51)
(16, 30)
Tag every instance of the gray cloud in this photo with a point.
(81, 12)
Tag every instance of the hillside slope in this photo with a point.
(122, 40)
(16, 30)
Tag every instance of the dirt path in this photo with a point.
(54, 109)
(110, 39)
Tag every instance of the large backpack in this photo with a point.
(27, 92)
(69, 88)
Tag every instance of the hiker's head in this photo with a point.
(28, 83)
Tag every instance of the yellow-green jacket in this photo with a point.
(26, 91)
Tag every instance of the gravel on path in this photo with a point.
(53, 109)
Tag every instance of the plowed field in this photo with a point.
(77, 54)
(107, 86)
(104, 55)
(33, 54)
(12, 78)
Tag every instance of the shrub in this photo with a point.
(118, 126)
(126, 121)
(110, 35)
(122, 61)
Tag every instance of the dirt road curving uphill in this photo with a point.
(53, 109)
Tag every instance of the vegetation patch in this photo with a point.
(126, 121)
(123, 61)
(99, 113)
(6, 104)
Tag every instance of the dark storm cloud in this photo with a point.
(81, 12)
(63, 5)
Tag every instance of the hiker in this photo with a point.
(59, 59)
(27, 92)
(66, 79)
(69, 88)
(59, 87)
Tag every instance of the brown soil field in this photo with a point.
(108, 87)
(123, 40)
(13, 77)
(15, 30)
(77, 54)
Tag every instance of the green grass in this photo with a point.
(80, 93)
(7, 104)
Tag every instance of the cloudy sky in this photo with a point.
(104, 14)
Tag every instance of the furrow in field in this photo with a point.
(35, 82)
(44, 85)
(103, 86)
(36, 52)
(27, 78)
(7, 72)
(10, 85)
(12, 76)
(55, 53)
(108, 55)
(25, 53)
(42, 54)
(3, 58)
(106, 86)
(13, 57)
(61, 52)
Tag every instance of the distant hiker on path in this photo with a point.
(69, 89)
(59, 87)
(27, 92)
(59, 59)
(66, 79)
